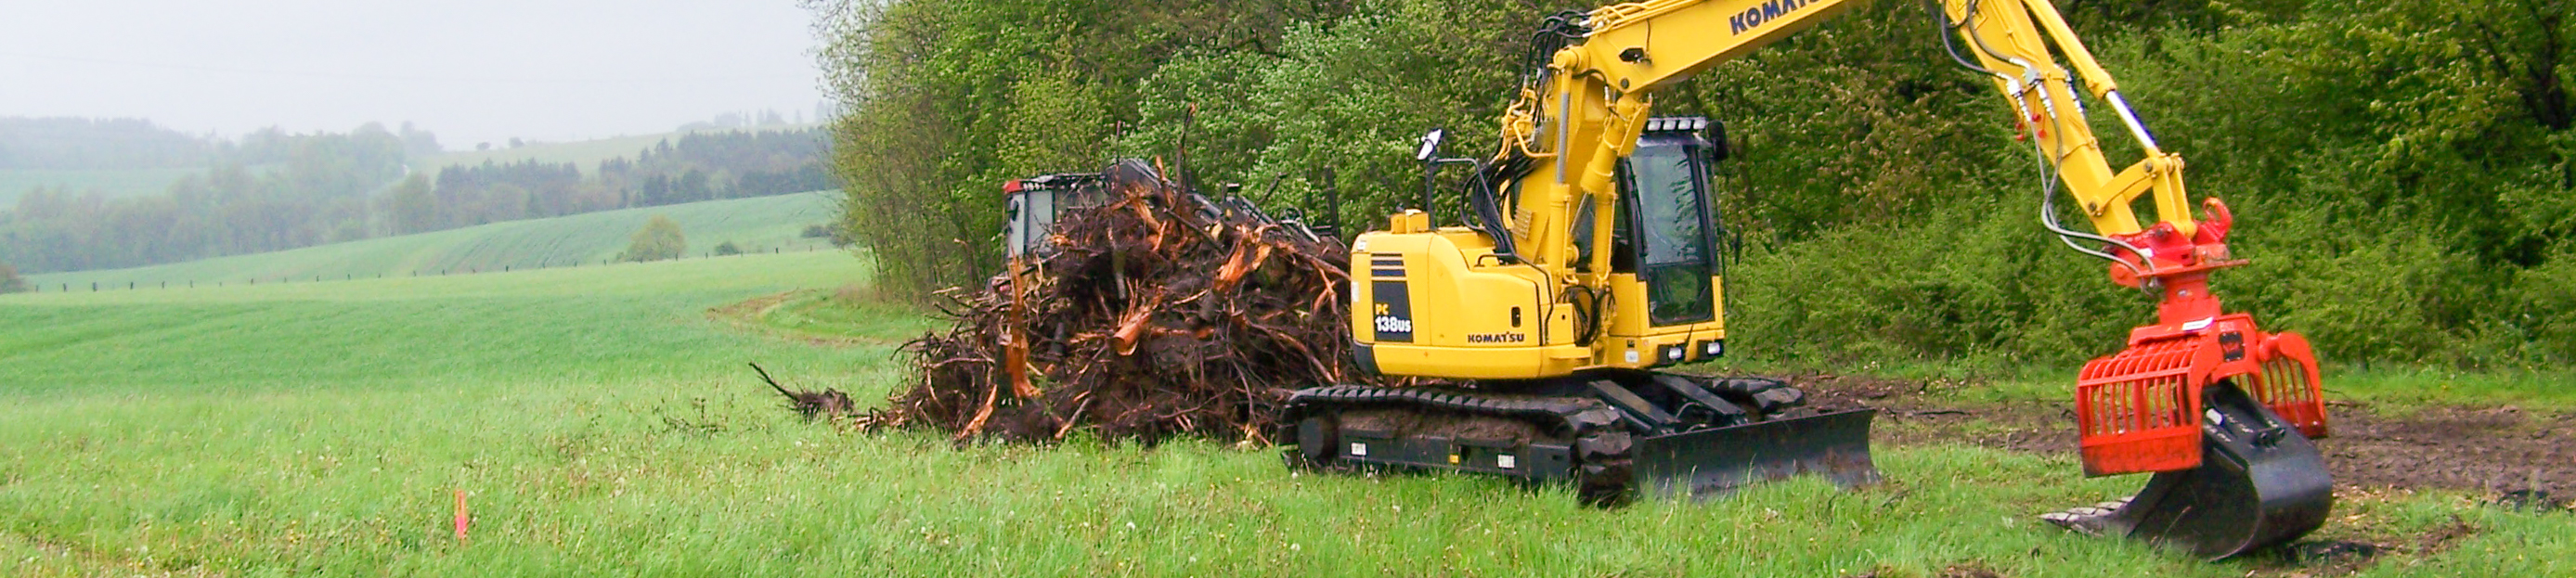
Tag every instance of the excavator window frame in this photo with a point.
(1697, 303)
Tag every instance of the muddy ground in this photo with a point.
(2494, 449)
(2509, 456)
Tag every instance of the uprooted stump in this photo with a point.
(1155, 313)
(825, 404)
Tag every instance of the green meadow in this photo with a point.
(600, 421)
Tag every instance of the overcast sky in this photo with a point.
(470, 70)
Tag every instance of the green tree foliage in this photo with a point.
(2404, 173)
(9, 280)
(727, 248)
(660, 239)
(729, 164)
(947, 100)
(82, 143)
(271, 190)
(413, 207)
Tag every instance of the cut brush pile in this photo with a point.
(1152, 314)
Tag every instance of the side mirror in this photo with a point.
(1431, 145)
(1717, 147)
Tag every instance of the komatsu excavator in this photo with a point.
(1590, 258)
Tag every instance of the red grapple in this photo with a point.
(2140, 410)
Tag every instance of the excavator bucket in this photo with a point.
(2260, 482)
(1714, 462)
(2223, 414)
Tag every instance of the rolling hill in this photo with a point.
(761, 224)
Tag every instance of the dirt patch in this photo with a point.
(2442, 538)
(2314, 558)
(1969, 570)
(1960, 570)
(2500, 449)
(1916, 412)
(2524, 460)
(2491, 449)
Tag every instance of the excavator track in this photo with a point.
(1611, 437)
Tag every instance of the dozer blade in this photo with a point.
(2260, 483)
(1714, 462)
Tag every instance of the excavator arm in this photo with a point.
(1583, 113)
(2220, 410)
(2010, 42)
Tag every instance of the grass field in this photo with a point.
(601, 422)
(118, 183)
(756, 224)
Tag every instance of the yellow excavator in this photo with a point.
(1590, 257)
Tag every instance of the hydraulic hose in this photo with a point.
(2048, 176)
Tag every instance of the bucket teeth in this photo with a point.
(2090, 521)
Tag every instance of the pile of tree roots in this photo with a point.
(1155, 313)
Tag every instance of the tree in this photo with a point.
(9, 281)
(418, 143)
(728, 248)
(659, 239)
(414, 208)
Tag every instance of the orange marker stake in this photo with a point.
(462, 519)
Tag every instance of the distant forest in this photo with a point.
(271, 190)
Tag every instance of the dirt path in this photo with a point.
(2494, 449)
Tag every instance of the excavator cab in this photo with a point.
(1672, 215)
(1668, 233)
(1036, 202)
